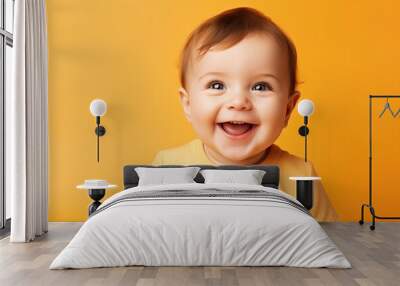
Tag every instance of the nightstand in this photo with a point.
(96, 191)
(304, 190)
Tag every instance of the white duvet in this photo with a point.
(183, 231)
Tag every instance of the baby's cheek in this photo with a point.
(271, 125)
(276, 124)
(267, 135)
(204, 110)
(272, 112)
(272, 118)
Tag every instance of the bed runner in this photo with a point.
(207, 194)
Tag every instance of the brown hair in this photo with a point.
(229, 28)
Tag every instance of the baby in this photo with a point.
(238, 90)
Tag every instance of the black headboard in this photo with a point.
(270, 179)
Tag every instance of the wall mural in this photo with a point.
(238, 76)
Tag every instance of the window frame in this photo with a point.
(6, 39)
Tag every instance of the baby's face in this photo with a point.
(237, 99)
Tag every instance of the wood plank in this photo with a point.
(375, 257)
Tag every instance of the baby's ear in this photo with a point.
(291, 105)
(185, 101)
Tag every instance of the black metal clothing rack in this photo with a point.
(369, 205)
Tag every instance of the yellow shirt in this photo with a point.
(289, 165)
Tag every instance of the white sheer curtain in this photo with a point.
(26, 123)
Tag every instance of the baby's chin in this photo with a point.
(244, 149)
(238, 154)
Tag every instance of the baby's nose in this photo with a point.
(240, 101)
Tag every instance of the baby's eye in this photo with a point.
(261, 86)
(216, 85)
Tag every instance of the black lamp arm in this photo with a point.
(100, 131)
(98, 141)
(303, 131)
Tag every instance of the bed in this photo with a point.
(201, 224)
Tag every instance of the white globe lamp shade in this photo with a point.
(98, 107)
(305, 107)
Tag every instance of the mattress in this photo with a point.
(198, 224)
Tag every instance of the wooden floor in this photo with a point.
(374, 255)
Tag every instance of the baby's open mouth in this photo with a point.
(236, 128)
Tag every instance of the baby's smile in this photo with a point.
(237, 130)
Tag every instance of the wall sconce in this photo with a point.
(305, 108)
(98, 108)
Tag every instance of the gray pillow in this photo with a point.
(161, 176)
(249, 177)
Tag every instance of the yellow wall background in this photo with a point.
(126, 52)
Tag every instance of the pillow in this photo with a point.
(161, 176)
(249, 177)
